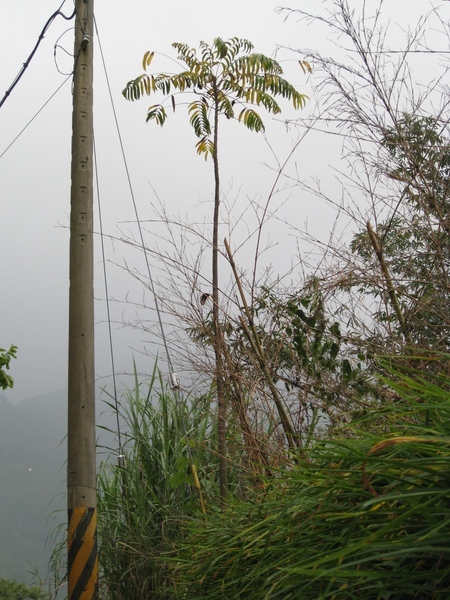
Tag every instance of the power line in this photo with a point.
(108, 312)
(27, 62)
(55, 48)
(173, 377)
(33, 118)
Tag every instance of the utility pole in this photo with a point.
(81, 460)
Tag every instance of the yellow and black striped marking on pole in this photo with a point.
(82, 549)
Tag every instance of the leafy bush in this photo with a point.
(13, 590)
(367, 517)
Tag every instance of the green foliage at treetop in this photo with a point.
(226, 76)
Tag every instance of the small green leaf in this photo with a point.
(346, 369)
(148, 57)
(182, 463)
(334, 350)
(158, 113)
(306, 66)
(178, 479)
(206, 147)
(251, 119)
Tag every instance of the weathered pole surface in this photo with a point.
(81, 467)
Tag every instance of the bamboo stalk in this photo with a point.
(253, 338)
(386, 274)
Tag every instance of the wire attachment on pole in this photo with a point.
(84, 42)
(174, 381)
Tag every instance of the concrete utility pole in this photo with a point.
(81, 468)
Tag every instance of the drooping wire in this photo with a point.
(58, 46)
(34, 117)
(108, 313)
(27, 62)
(141, 236)
(173, 378)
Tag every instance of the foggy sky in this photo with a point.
(35, 172)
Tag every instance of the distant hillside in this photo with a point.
(32, 481)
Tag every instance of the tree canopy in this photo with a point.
(13, 590)
(226, 77)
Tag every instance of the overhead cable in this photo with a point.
(27, 62)
(174, 379)
(108, 312)
(36, 114)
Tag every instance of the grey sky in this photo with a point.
(35, 172)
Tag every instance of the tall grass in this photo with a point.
(143, 504)
(366, 515)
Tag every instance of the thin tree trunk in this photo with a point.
(219, 374)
